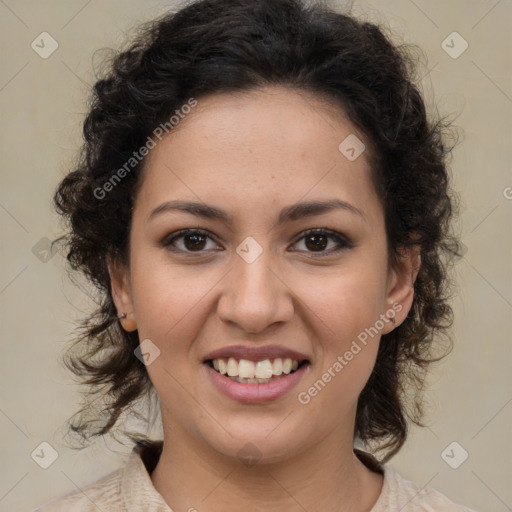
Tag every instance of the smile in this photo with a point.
(255, 390)
(246, 371)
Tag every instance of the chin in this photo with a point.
(257, 444)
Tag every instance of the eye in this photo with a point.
(314, 241)
(189, 240)
(318, 241)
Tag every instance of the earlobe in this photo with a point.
(122, 295)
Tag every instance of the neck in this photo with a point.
(191, 476)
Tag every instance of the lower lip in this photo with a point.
(255, 393)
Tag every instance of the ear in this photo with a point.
(122, 293)
(400, 289)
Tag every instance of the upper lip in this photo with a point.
(255, 353)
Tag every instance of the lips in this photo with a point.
(255, 374)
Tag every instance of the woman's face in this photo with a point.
(255, 173)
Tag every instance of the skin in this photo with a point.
(251, 155)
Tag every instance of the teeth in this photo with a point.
(277, 366)
(223, 367)
(263, 369)
(232, 367)
(247, 369)
(244, 370)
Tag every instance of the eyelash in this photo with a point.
(342, 241)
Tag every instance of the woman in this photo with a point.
(265, 209)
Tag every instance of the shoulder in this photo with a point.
(102, 494)
(406, 496)
(127, 488)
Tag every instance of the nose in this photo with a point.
(255, 296)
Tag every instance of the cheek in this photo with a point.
(345, 348)
(344, 309)
(345, 301)
(168, 300)
(171, 308)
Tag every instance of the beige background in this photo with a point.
(43, 102)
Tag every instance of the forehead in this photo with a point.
(258, 148)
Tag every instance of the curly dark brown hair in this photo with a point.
(216, 46)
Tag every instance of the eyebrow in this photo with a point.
(287, 214)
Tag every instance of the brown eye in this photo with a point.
(319, 240)
(194, 242)
(316, 242)
(189, 240)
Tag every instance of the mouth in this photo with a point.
(256, 374)
(247, 371)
